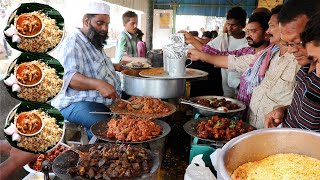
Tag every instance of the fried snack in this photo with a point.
(113, 162)
(221, 129)
(50, 156)
(218, 104)
(150, 105)
(280, 167)
(132, 129)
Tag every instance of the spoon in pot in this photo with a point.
(134, 106)
(80, 153)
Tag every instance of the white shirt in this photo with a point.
(230, 79)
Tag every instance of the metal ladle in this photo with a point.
(134, 106)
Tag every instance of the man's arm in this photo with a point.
(219, 61)
(83, 83)
(190, 39)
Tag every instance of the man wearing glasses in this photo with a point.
(304, 110)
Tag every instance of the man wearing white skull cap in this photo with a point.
(90, 80)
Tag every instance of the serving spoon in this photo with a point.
(134, 106)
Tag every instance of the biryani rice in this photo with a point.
(49, 87)
(49, 38)
(49, 136)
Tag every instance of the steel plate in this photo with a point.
(100, 129)
(161, 74)
(69, 159)
(191, 128)
(212, 111)
(114, 108)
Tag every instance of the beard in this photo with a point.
(255, 44)
(97, 38)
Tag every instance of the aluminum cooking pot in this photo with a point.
(136, 85)
(262, 143)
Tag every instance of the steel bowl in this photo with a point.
(259, 144)
(135, 85)
(213, 112)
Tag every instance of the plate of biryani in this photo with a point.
(47, 139)
(34, 77)
(148, 107)
(34, 27)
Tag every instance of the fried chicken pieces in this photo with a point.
(150, 105)
(132, 129)
(222, 128)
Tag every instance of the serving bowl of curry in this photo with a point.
(29, 25)
(29, 74)
(29, 124)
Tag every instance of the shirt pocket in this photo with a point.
(282, 90)
(310, 108)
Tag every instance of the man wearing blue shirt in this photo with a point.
(90, 80)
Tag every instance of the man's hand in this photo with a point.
(106, 90)
(318, 68)
(119, 66)
(194, 54)
(189, 38)
(275, 117)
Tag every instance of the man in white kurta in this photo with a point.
(233, 40)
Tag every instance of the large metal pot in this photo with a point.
(136, 85)
(259, 144)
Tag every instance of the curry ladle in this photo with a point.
(134, 106)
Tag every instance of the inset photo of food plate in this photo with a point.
(34, 77)
(34, 27)
(34, 127)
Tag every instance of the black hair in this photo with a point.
(239, 14)
(89, 16)
(214, 34)
(276, 9)
(127, 15)
(194, 33)
(262, 18)
(207, 34)
(312, 31)
(139, 34)
(295, 8)
(262, 9)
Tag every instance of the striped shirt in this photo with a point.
(304, 111)
(126, 45)
(240, 52)
(79, 55)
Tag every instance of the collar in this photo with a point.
(82, 36)
(128, 34)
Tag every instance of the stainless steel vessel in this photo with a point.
(207, 111)
(259, 144)
(136, 85)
